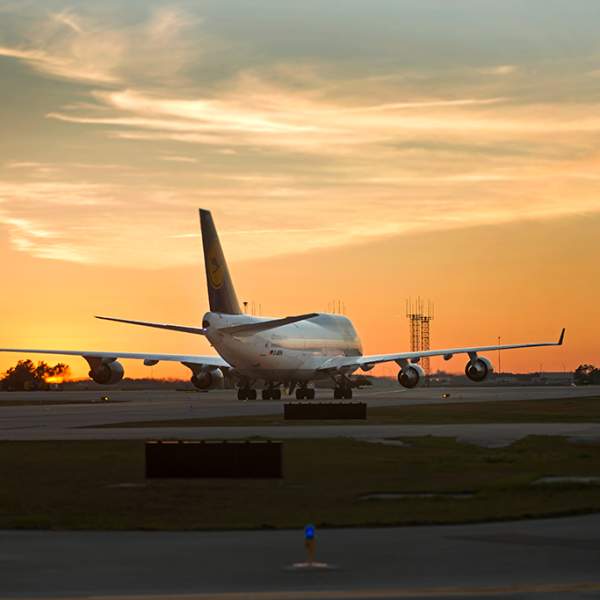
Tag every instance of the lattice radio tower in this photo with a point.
(419, 319)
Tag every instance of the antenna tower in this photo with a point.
(419, 319)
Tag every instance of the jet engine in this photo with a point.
(478, 369)
(410, 375)
(107, 373)
(208, 379)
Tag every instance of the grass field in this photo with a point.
(578, 410)
(101, 485)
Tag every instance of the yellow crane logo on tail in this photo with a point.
(215, 266)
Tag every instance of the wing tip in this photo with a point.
(562, 337)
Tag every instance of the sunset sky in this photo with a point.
(362, 151)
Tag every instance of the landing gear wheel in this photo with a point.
(246, 394)
(305, 393)
(342, 393)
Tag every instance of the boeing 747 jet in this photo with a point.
(271, 353)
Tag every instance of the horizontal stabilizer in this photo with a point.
(250, 328)
(183, 328)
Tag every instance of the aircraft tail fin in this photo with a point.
(221, 293)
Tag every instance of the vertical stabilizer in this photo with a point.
(221, 293)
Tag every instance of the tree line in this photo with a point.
(586, 375)
(26, 375)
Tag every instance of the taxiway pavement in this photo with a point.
(546, 559)
(77, 421)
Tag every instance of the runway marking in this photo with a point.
(375, 594)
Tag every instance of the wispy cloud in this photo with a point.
(68, 65)
(70, 20)
(67, 45)
(365, 153)
(178, 159)
(304, 122)
(500, 70)
(23, 164)
(102, 225)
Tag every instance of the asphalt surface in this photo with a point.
(547, 558)
(76, 421)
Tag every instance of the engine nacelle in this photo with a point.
(108, 373)
(208, 379)
(410, 375)
(478, 369)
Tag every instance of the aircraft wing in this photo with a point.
(147, 357)
(341, 362)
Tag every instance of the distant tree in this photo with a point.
(586, 375)
(26, 375)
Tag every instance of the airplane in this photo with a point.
(294, 351)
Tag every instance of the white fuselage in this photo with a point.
(291, 352)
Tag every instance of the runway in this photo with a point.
(546, 558)
(77, 421)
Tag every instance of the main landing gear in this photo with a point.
(343, 392)
(271, 394)
(305, 393)
(246, 394)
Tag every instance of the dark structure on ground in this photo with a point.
(324, 410)
(214, 459)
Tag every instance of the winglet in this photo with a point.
(562, 337)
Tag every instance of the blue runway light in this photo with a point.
(309, 532)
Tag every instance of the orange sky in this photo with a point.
(523, 282)
(367, 153)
